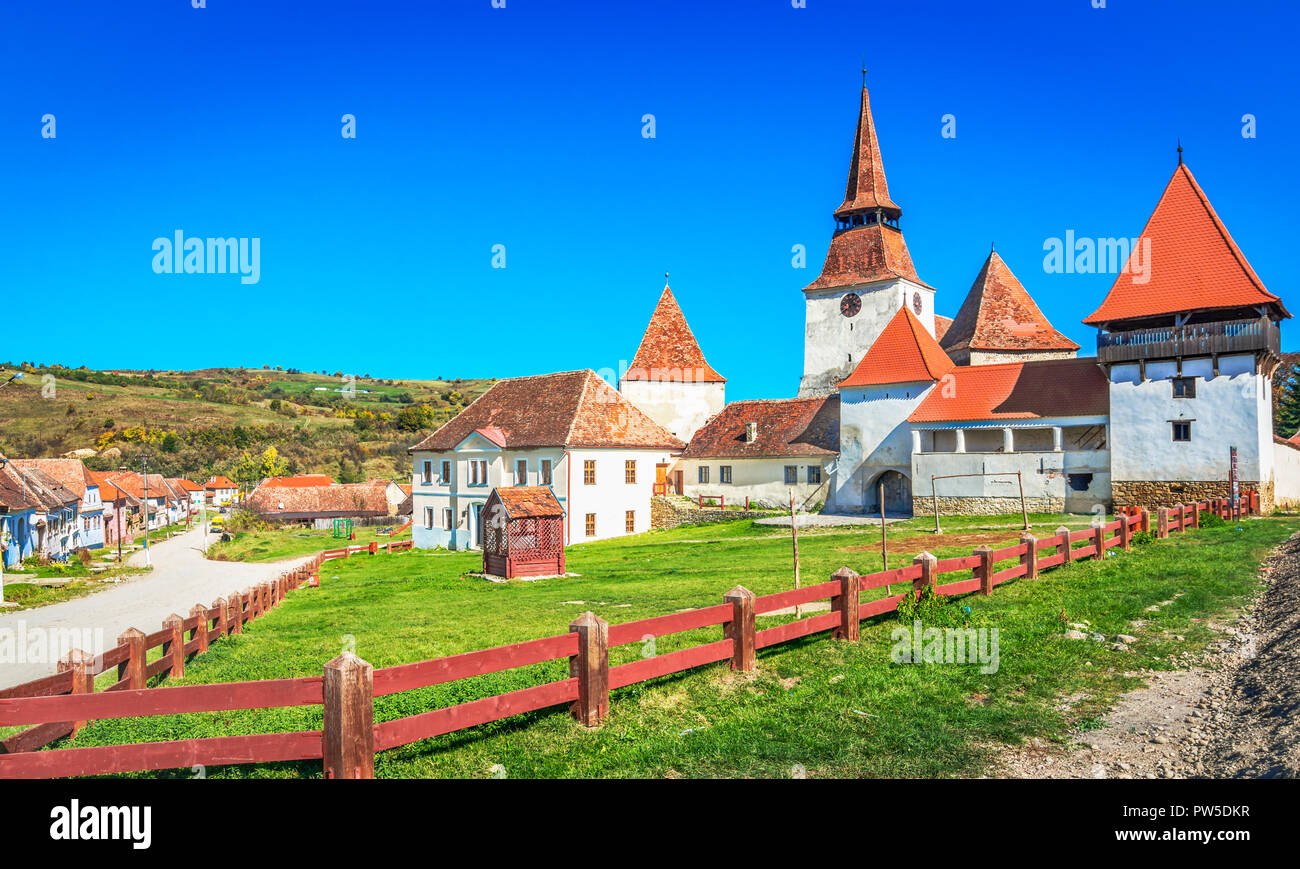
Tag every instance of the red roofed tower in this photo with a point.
(669, 378)
(999, 322)
(868, 274)
(1189, 338)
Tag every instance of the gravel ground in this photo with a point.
(1231, 715)
(181, 577)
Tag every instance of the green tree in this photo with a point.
(1286, 396)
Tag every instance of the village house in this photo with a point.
(72, 475)
(571, 432)
(320, 505)
(55, 523)
(156, 499)
(17, 516)
(299, 480)
(122, 510)
(189, 491)
(220, 491)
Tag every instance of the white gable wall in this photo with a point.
(874, 437)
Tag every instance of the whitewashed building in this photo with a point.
(571, 432)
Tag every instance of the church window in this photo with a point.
(814, 474)
(1182, 431)
(791, 474)
(591, 525)
(1184, 387)
(704, 473)
(629, 471)
(545, 471)
(724, 473)
(589, 472)
(521, 472)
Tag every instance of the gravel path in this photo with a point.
(181, 577)
(1232, 715)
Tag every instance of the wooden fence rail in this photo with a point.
(348, 685)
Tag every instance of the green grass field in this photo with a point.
(283, 543)
(833, 708)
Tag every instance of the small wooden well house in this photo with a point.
(523, 532)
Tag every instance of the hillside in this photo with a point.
(197, 423)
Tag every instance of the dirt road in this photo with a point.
(181, 577)
(1234, 715)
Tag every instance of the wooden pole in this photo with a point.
(83, 677)
(1030, 558)
(740, 630)
(591, 668)
(934, 498)
(175, 647)
(200, 612)
(846, 604)
(794, 539)
(348, 731)
(985, 569)
(1024, 511)
(928, 563)
(237, 613)
(132, 669)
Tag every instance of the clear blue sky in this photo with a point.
(479, 126)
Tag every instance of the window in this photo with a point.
(521, 472)
(1182, 431)
(591, 524)
(446, 473)
(629, 522)
(428, 471)
(446, 518)
(814, 474)
(704, 473)
(791, 474)
(545, 472)
(589, 477)
(1184, 387)
(428, 517)
(478, 475)
(724, 473)
(629, 471)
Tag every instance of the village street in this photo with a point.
(181, 577)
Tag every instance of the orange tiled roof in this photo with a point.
(867, 188)
(71, 473)
(570, 409)
(219, 482)
(941, 327)
(903, 353)
(336, 499)
(1018, 390)
(1195, 264)
(668, 350)
(300, 480)
(521, 501)
(998, 314)
(865, 254)
(785, 427)
(187, 485)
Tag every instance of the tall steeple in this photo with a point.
(867, 193)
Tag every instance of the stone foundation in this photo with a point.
(923, 505)
(1159, 493)
(666, 512)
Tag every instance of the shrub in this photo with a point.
(1141, 537)
(83, 555)
(1210, 520)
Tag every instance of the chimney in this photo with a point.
(751, 432)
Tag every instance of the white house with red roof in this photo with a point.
(220, 490)
(571, 432)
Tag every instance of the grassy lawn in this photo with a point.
(24, 587)
(833, 708)
(279, 544)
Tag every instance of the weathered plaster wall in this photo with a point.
(874, 437)
(682, 408)
(761, 480)
(1286, 470)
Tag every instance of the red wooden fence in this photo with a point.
(347, 689)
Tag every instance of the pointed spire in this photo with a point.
(1180, 151)
(668, 350)
(905, 352)
(999, 316)
(867, 190)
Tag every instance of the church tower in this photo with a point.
(868, 275)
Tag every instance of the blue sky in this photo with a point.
(522, 127)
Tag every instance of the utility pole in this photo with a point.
(144, 464)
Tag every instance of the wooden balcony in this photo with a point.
(1199, 339)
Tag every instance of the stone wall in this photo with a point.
(669, 512)
(1157, 493)
(960, 505)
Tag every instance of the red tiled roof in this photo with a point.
(569, 409)
(299, 480)
(219, 482)
(668, 350)
(520, 501)
(867, 188)
(786, 427)
(1018, 390)
(998, 314)
(492, 434)
(336, 499)
(187, 485)
(14, 495)
(71, 473)
(941, 327)
(903, 353)
(1194, 263)
(866, 254)
(1293, 442)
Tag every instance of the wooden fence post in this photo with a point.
(220, 606)
(175, 647)
(1144, 519)
(201, 629)
(846, 604)
(927, 562)
(1099, 538)
(237, 613)
(1196, 516)
(1063, 544)
(984, 570)
(1162, 522)
(740, 630)
(132, 669)
(591, 668)
(82, 665)
(1030, 558)
(348, 732)
(1124, 532)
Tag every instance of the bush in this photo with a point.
(1210, 520)
(1142, 537)
(84, 556)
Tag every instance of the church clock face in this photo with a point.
(916, 303)
(850, 305)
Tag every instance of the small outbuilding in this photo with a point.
(523, 532)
